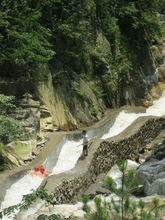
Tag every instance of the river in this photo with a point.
(68, 158)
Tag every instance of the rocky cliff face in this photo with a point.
(67, 110)
(72, 103)
(46, 108)
(49, 108)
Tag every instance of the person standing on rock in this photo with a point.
(85, 143)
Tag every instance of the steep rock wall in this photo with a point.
(67, 109)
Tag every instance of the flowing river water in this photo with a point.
(67, 158)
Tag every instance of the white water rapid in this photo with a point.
(71, 152)
(14, 194)
(68, 157)
(124, 119)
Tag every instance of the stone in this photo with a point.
(139, 190)
(35, 152)
(12, 158)
(45, 112)
(69, 126)
(42, 142)
(21, 149)
(152, 175)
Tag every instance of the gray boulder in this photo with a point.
(151, 174)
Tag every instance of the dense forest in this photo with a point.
(103, 41)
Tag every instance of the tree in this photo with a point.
(10, 128)
(23, 40)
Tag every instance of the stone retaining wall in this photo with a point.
(73, 186)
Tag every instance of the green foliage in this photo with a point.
(50, 217)
(93, 85)
(23, 40)
(128, 185)
(3, 159)
(161, 6)
(6, 104)
(93, 110)
(27, 200)
(101, 211)
(10, 128)
(76, 87)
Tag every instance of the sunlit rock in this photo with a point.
(21, 150)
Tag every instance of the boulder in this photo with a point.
(151, 174)
(20, 150)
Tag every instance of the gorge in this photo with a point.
(71, 65)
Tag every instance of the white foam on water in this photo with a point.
(68, 157)
(124, 119)
(158, 107)
(15, 193)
